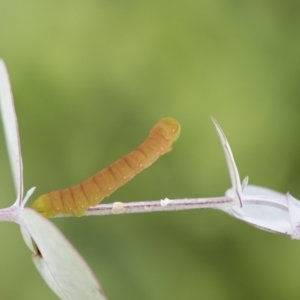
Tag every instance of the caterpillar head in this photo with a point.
(166, 131)
(170, 129)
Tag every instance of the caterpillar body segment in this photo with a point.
(92, 191)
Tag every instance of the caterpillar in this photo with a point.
(79, 198)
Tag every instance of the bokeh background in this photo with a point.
(90, 78)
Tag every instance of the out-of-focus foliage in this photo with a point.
(90, 78)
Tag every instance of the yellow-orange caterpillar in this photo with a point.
(92, 191)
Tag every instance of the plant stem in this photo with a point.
(154, 206)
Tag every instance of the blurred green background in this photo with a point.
(90, 79)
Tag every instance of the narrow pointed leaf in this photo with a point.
(11, 131)
(59, 263)
(294, 210)
(233, 171)
(263, 208)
